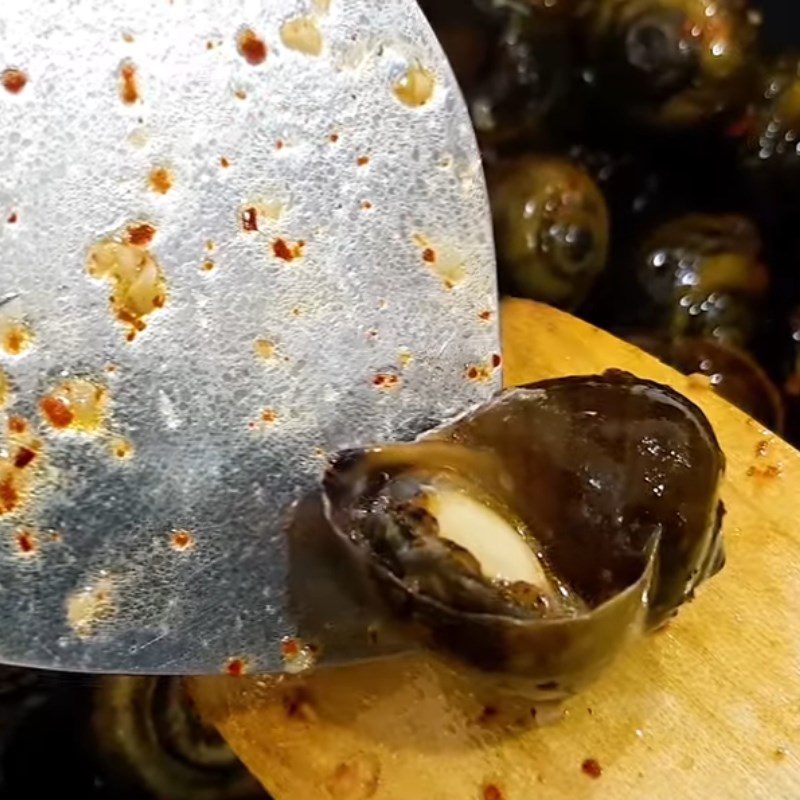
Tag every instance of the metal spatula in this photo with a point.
(234, 237)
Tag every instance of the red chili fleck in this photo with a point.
(334, 137)
(24, 457)
(14, 80)
(252, 47)
(56, 411)
(496, 360)
(485, 315)
(182, 540)
(429, 255)
(17, 425)
(491, 792)
(26, 542)
(141, 235)
(223, 162)
(12, 218)
(592, 768)
(472, 373)
(366, 205)
(282, 250)
(9, 496)
(487, 714)
(250, 219)
(362, 161)
(386, 380)
(290, 648)
(129, 91)
(236, 667)
(279, 144)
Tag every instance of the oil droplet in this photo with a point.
(139, 286)
(287, 251)
(415, 87)
(405, 358)
(236, 667)
(90, 606)
(27, 543)
(76, 404)
(207, 266)
(121, 448)
(13, 80)
(128, 84)
(264, 349)
(269, 416)
(182, 540)
(297, 655)
(5, 389)
(251, 47)
(160, 180)
(15, 338)
(303, 35)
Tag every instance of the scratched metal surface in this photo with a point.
(188, 391)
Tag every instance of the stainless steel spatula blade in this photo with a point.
(234, 237)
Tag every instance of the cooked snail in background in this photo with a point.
(670, 63)
(769, 134)
(534, 535)
(551, 229)
(526, 78)
(701, 275)
(731, 371)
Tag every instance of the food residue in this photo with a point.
(287, 251)
(386, 381)
(121, 448)
(251, 47)
(334, 137)
(444, 262)
(491, 792)
(297, 655)
(483, 372)
(90, 605)
(415, 87)
(303, 35)
(12, 218)
(17, 469)
(207, 265)
(181, 540)
(405, 357)
(264, 348)
(160, 180)
(592, 768)
(366, 205)
(27, 542)
(129, 85)
(355, 779)
(13, 80)
(224, 162)
(269, 416)
(139, 286)
(485, 316)
(15, 337)
(236, 667)
(76, 404)
(362, 161)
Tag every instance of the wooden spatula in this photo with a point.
(708, 708)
